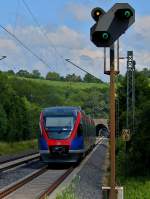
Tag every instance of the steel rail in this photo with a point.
(18, 157)
(56, 184)
(19, 184)
(19, 162)
(52, 187)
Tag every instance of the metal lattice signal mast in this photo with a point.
(130, 116)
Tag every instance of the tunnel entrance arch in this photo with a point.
(101, 127)
(101, 130)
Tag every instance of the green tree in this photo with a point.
(53, 76)
(90, 79)
(36, 74)
(3, 123)
(10, 72)
(138, 149)
(23, 73)
(73, 78)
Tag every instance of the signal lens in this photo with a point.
(97, 13)
(124, 14)
(127, 14)
(105, 35)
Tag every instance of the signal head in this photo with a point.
(100, 38)
(124, 13)
(111, 25)
(96, 13)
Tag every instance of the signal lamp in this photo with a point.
(123, 13)
(127, 14)
(100, 37)
(96, 13)
(105, 35)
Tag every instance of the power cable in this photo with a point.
(16, 16)
(68, 60)
(38, 24)
(45, 35)
(25, 46)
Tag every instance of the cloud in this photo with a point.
(142, 28)
(65, 42)
(137, 39)
(59, 44)
(6, 44)
(66, 37)
(80, 12)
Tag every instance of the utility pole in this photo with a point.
(112, 123)
(108, 27)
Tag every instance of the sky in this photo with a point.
(60, 29)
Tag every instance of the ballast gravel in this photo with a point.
(6, 158)
(12, 175)
(90, 176)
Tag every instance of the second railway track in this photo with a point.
(37, 185)
(19, 161)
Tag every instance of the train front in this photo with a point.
(58, 140)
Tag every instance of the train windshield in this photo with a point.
(59, 127)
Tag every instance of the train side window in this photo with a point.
(80, 130)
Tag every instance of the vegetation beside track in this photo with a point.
(63, 84)
(135, 186)
(22, 99)
(133, 171)
(17, 147)
(69, 191)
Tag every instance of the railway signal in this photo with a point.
(108, 28)
(111, 25)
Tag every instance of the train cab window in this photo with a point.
(80, 130)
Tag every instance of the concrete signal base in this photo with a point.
(106, 192)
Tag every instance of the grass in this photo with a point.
(17, 147)
(136, 188)
(69, 191)
(77, 85)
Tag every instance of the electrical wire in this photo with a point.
(68, 60)
(16, 16)
(39, 58)
(33, 53)
(38, 24)
(25, 46)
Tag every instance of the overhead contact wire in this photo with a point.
(45, 35)
(39, 25)
(25, 46)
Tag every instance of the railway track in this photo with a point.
(52, 187)
(19, 161)
(37, 185)
(6, 191)
(9, 158)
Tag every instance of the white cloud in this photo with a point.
(142, 27)
(6, 44)
(65, 42)
(66, 37)
(81, 12)
(94, 54)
